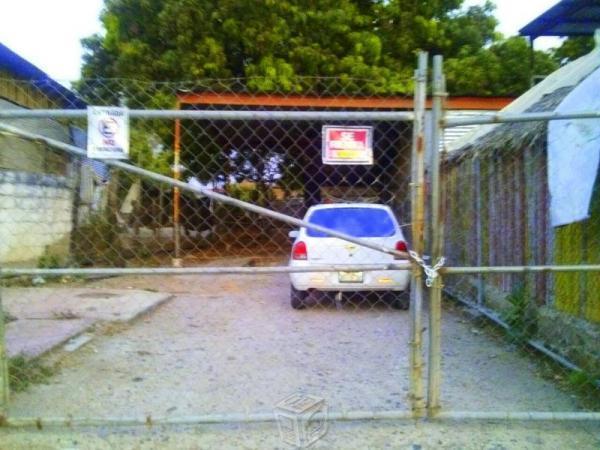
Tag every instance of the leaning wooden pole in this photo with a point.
(437, 236)
(417, 396)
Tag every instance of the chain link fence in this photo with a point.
(91, 246)
(172, 273)
(533, 291)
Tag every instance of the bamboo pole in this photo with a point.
(416, 395)
(437, 233)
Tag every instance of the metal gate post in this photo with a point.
(4, 387)
(437, 235)
(417, 396)
(177, 193)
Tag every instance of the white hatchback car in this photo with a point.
(373, 223)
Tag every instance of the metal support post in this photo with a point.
(417, 396)
(479, 228)
(437, 233)
(4, 386)
(177, 194)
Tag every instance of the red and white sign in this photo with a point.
(347, 145)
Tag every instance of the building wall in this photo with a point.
(35, 216)
(36, 183)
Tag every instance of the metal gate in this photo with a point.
(197, 226)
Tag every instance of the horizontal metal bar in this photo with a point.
(40, 422)
(216, 270)
(110, 271)
(232, 418)
(537, 345)
(519, 269)
(206, 192)
(217, 115)
(519, 415)
(524, 117)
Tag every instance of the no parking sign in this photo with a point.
(108, 132)
(347, 145)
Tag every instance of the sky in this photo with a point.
(47, 33)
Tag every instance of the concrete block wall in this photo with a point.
(35, 216)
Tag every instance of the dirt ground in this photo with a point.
(233, 344)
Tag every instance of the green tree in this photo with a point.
(502, 69)
(276, 44)
(573, 48)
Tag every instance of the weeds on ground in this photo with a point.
(521, 315)
(22, 373)
(49, 261)
(581, 385)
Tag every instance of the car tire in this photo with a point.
(400, 300)
(297, 298)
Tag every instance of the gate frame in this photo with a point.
(435, 276)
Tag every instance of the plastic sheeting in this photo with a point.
(573, 154)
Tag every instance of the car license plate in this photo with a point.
(350, 277)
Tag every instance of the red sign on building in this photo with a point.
(347, 145)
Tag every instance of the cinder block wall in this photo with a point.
(35, 216)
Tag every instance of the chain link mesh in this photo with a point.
(542, 325)
(231, 343)
(234, 343)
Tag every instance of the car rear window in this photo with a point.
(357, 222)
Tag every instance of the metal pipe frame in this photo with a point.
(519, 269)
(416, 393)
(437, 235)
(523, 117)
(4, 381)
(176, 194)
(206, 192)
(216, 115)
(233, 418)
(120, 271)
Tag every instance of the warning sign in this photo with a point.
(108, 132)
(347, 145)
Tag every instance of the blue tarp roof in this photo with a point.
(566, 18)
(23, 69)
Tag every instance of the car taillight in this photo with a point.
(401, 247)
(299, 251)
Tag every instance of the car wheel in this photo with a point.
(399, 300)
(297, 298)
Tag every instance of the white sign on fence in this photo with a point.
(108, 132)
(347, 145)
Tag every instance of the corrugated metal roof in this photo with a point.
(23, 69)
(567, 76)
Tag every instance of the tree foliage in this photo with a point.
(504, 68)
(572, 48)
(325, 47)
(276, 44)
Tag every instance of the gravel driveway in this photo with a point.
(233, 344)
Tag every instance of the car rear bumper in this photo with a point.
(382, 280)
